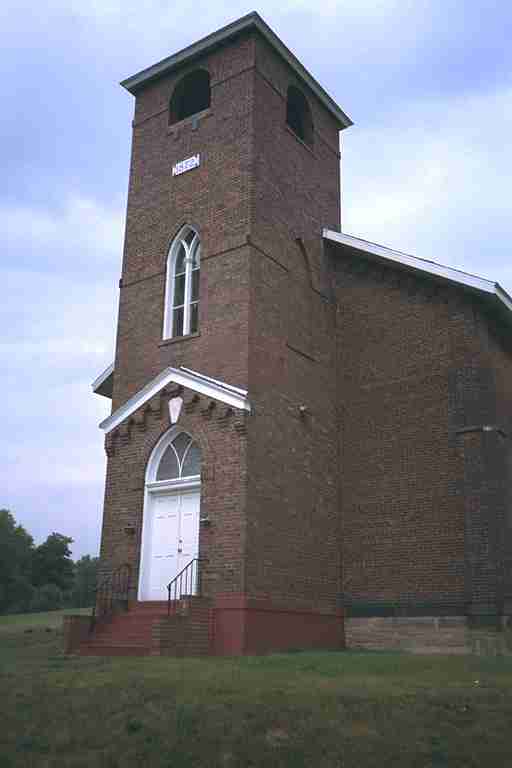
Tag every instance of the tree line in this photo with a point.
(44, 577)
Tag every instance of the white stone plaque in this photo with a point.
(186, 165)
(175, 405)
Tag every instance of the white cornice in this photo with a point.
(423, 265)
(197, 382)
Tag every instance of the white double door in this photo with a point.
(171, 543)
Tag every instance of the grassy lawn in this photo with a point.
(29, 622)
(350, 710)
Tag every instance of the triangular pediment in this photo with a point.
(184, 377)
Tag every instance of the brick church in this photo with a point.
(309, 442)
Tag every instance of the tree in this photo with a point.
(49, 597)
(16, 550)
(86, 572)
(52, 562)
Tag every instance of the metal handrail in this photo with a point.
(187, 582)
(111, 592)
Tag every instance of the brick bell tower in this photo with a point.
(222, 442)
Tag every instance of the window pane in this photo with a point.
(190, 237)
(180, 260)
(168, 467)
(192, 463)
(180, 444)
(194, 317)
(177, 322)
(195, 285)
(179, 290)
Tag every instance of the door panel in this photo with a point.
(173, 541)
(189, 533)
(164, 544)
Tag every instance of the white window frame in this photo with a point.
(195, 246)
(189, 481)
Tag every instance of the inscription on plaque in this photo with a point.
(186, 165)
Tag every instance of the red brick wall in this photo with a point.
(257, 190)
(223, 489)
(292, 553)
(215, 199)
(486, 447)
(424, 492)
(400, 342)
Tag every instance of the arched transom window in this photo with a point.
(181, 459)
(181, 316)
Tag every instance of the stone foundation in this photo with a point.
(427, 634)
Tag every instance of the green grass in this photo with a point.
(28, 622)
(325, 710)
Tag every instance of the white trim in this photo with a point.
(503, 296)
(222, 384)
(162, 486)
(156, 456)
(211, 388)
(102, 377)
(422, 265)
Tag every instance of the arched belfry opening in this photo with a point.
(298, 115)
(172, 500)
(191, 95)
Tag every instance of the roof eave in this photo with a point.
(245, 23)
(488, 288)
(101, 385)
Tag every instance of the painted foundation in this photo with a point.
(243, 625)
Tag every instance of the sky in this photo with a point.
(426, 169)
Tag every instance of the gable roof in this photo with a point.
(197, 382)
(252, 21)
(491, 291)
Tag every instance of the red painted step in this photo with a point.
(128, 633)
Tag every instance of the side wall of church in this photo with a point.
(486, 445)
(501, 359)
(400, 341)
(425, 458)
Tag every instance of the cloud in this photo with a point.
(59, 321)
(82, 235)
(434, 180)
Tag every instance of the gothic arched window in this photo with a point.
(298, 115)
(191, 95)
(181, 315)
(181, 459)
